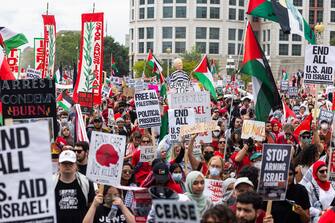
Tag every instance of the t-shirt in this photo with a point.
(82, 169)
(282, 210)
(101, 215)
(244, 162)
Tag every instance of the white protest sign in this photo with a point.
(26, 185)
(148, 153)
(198, 128)
(319, 64)
(177, 118)
(173, 211)
(214, 190)
(110, 117)
(147, 109)
(105, 158)
(326, 115)
(200, 101)
(33, 74)
(179, 82)
(253, 129)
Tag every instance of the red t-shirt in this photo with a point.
(244, 162)
(143, 171)
(218, 153)
(327, 217)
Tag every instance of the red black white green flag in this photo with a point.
(49, 46)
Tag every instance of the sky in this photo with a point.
(25, 16)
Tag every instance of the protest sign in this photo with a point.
(284, 85)
(26, 186)
(274, 172)
(292, 92)
(147, 109)
(198, 128)
(38, 53)
(110, 117)
(105, 91)
(179, 82)
(200, 101)
(33, 74)
(326, 115)
(148, 153)
(27, 99)
(177, 118)
(173, 211)
(214, 190)
(105, 158)
(139, 85)
(253, 129)
(331, 168)
(13, 60)
(319, 64)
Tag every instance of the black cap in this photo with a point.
(161, 171)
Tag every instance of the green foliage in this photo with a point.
(139, 67)
(246, 79)
(190, 60)
(332, 42)
(27, 57)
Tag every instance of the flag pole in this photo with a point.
(47, 12)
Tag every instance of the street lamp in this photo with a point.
(168, 51)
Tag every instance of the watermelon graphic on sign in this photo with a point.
(106, 155)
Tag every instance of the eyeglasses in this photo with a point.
(146, 141)
(127, 171)
(221, 142)
(305, 137)
(78, 150)
(323, 171)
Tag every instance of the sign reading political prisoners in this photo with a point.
(179, 82)
(173, 211)
(274, 172)
(200, 101)
(326, 116)
(178, 118)
(26, 186)
(27, 99)
(253, 129)
(147, 109)
(105, 158)
(319, 64)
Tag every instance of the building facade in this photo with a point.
(216, 27)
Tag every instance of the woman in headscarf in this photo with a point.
(195, 185)
(320, 191)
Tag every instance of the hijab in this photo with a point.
(325, 185)
(200, 199)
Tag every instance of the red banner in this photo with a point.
(14, 61)
(89, 78)
(49, 46)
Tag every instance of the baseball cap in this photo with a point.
(243, 180)
(160, 171)
(255, 155)
(67, 156)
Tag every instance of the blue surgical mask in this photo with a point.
(177, 177)
(214, 171)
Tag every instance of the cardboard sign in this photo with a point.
(173, 211)
(13, 60)
(293, 92)
(27, 99)
(147, 109)
(319, 64)
(105, 158)
(274, 172)
(110, 117)
(200, 101)
(253, 129)
(198, 128)
(33, 74)
(178, 118)
(284, 85)
(214, 190)
(326, 115)
(148, 153)
(26, 185)
(331, 168)
(179, 82)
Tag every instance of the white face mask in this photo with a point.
(63, 120)
(324, 126)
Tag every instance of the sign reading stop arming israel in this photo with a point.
(319, 64)
(14, 61)
(177, 118)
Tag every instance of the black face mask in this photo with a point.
(208, 156)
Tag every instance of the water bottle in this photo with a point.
(112, 213)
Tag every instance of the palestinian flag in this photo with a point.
(304, 125)
(288, 112)
(5, 72)
(10, 40)
(164, 129)
(205, 77)
(158, 70)
(65, 101)
(113, 65)
(266, 95)
(285, 13)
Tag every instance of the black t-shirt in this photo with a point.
(82, 169)
(282, 210)
(71, 205)
(101, 216)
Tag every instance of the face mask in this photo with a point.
(214, 171)
(324, 126)
(177, 177)
(63, 120)
(216, 133)
(208, 156)
(306, 140)
(258, 164)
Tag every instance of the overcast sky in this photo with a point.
(26, 16)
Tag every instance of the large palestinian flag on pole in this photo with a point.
(49, 46)
(266, 95)
(10, 40)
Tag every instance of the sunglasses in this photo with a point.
(221, 142)
(146, 141)
(323, 171)
(97, 120)
(78, 151)
(127, 171)
(305, 137)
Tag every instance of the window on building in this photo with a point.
(180, 47)
(142, 12)
(332, 16)
(213, 48)
(142, 2)
(202, 1)
(202, 12)
(232, 2)
(311, 17)
(141, 47)
(320, 3)
(150, 32)
(269, 35)
(131, 31)
(231, 48)
(232, 14)
(201, 33)
(283, 36)
(180, 32)
(151, 2)
(231, 34)
(150, 46)
(200, 47)
(296, 37)
(269, 49)
(180, 1)
(215, 2)
(256, 34)
(239, 48)
(241, 14)
(332, 3)
(167, 1)
(132, 14)
(167, 33)
(214, 33)
(141, 33)
(214, 12)
(240, 34)
(264, 35)
(311, 3)
(332, 35)
(283, 49)
(166, 45)
(255, 19)
(241, 2)
(167, 12)
(180, 11)
(319, 17)
(132, 2)
(297, 3)
(151, 12)
(296, 50)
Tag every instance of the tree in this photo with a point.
(27, 57)
(139, 67)
(190, 60)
